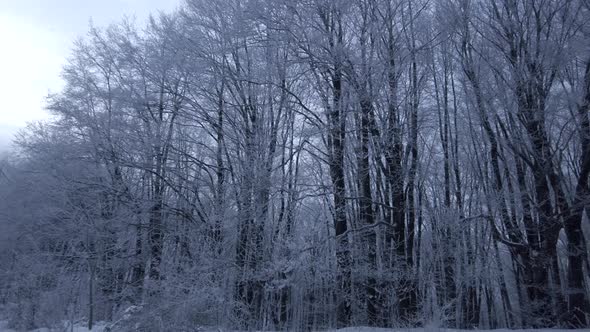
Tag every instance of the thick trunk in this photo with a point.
(138, 266)
(578, 306)
(220, 173)
(408, 294)
(543, 248)
(156, 240)
(336, 120)
(394, 250)
(252, 212)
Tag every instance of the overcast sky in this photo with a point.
(35, 40)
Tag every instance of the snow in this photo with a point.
(100, 328)
(3, 327)
(376, 329)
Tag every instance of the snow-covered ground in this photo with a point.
(100, 328)
(67, 328)
(430, 329)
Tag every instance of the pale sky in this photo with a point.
(35, 40)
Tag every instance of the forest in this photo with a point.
(308, 165)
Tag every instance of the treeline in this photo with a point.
(277, 164)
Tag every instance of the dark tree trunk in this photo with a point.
(366, 209)
(336, 140)
(578, 306)
(156, 240)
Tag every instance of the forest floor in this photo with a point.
(100, 328)
(435, 329)
(67, 328)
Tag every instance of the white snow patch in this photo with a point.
(430, 329)
(99, 327)
(3, 326)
